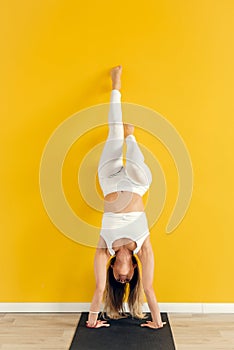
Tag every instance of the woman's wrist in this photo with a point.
(92, 319)
(156, 317)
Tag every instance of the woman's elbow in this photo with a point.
(148, 289)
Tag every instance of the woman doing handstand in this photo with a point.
(124, 232)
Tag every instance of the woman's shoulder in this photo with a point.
(146, 246)
(101, 243)
(102, 246)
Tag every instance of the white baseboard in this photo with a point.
(83, 307)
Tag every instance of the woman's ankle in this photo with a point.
(116, 87)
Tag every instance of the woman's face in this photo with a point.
(123, 271)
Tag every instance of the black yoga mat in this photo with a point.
(122, 334)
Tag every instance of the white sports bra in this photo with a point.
(132, 225)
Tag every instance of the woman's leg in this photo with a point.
(136, 167)
(111, 160)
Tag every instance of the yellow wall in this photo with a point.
(177, 59)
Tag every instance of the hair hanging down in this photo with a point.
(116, 293)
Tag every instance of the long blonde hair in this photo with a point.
(116, 293)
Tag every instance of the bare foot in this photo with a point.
(116, 77)
(128, 129)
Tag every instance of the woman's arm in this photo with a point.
(146, 257)
(100, 261)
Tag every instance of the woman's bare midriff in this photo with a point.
(123, 202)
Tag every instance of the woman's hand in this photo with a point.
(97, 324)
(151, 324)
(93, 322)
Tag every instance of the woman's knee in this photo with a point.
(116, 131)
(139, 173)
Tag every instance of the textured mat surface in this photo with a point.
(122, 334)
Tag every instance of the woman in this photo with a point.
(124, 233)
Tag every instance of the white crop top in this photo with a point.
(132, 225)
(120, 181)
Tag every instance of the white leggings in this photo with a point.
(111, 160)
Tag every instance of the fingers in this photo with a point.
(145, 324)
(151, 324)
(98, 324)
(103, 325)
